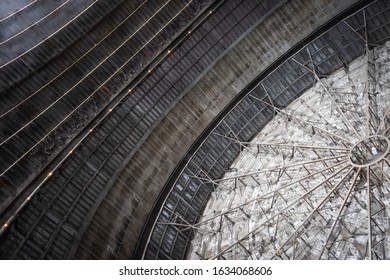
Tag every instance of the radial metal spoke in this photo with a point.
(269, 97)
(384, 173)
(286, 145)
(297, 145)
(207, 179)
(367, 100)
(369, 215)
(270, 192)
(348, 123)
(281, 167)
(343, 205)
(385, 132)
(236, 139)
(382, 122)
(306, 122)
(371, 111)
(357, 33)
(280, 212)
(317, 207)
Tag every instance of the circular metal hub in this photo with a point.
(369, 151)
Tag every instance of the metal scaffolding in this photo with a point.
(314, 183)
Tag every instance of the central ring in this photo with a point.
(369, 151)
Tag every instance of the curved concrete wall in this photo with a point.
(147, 171)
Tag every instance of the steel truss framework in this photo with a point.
(323, 197)
(318, 183)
